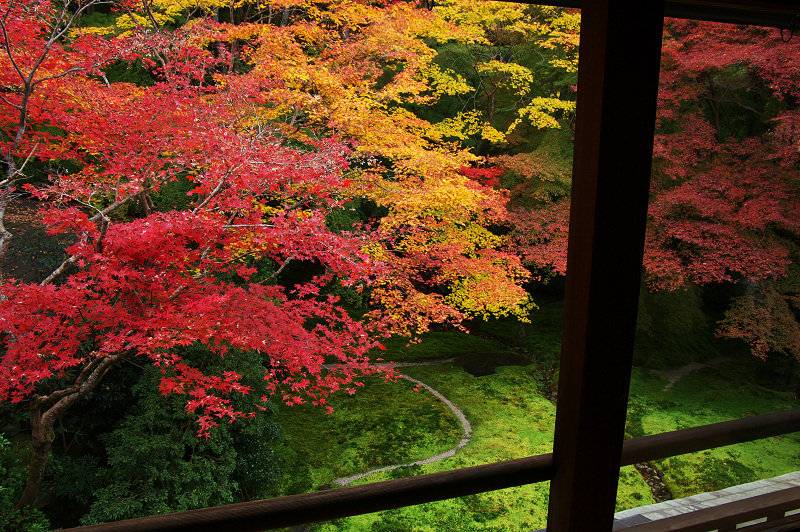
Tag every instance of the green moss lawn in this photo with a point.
(389, 423)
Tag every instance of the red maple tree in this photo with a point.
(724, 199)
(138, 288)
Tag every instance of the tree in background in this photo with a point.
(725, 206)
(520, 62)
(356, 71)
(724, 199)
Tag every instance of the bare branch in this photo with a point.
(81, 389)
(7, 45)
(18, 171)
(15, 106)
(100, 215)
(740, 104)
(58, 271)
(277, 272)
(218, 188)
(69, 23)
(62, 74)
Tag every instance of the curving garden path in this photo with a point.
(673, 376)
(465, 426)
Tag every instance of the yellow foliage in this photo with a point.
(565, 35)
(492, 135)
(104, 31)
(446, 196)
(508, 75)
(482, 296)
(540, 112)
(515, 31)
(480, 237)
(462, 126)
(476, 18)
(445, 81)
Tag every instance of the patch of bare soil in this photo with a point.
(675, 375)
(32, 254)
(480, 364)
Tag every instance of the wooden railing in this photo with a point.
(709, 436)
(342, 502)
(771, 507)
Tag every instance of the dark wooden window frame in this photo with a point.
(618, 80)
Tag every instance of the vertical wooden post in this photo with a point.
(620, 52)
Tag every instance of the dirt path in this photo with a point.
(675, 375)
(465, 426)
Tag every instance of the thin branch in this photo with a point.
(240, 226)
(59, 394)
(68, 24)
(72, 259)
(277, 272)
(740, 104)
(7, 45)
(63, 74)
(15, 106)
(81, 390)
(374, 184)
(98, 242)
(61, 269)
(18, 171)
(217, 189)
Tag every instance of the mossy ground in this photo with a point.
(726, 391)
(387, 423)
(382, 424)
(494, 404)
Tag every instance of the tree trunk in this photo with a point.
(147, 203)
(42, 423)
(5, 235)
(42, 436)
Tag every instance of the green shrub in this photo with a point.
(12, 480)
(157, 464)
(174, 195)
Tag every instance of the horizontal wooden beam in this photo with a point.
(727, 516)
(281, 512)
(775, 14)
(709, 436)
(342, 502)
(753, 6)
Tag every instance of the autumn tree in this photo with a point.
(316, 119)
(35, 61)
(359, 71)
(724, 192)
(520, 62)
(135, 289)
(726, 204)
(356, 71)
